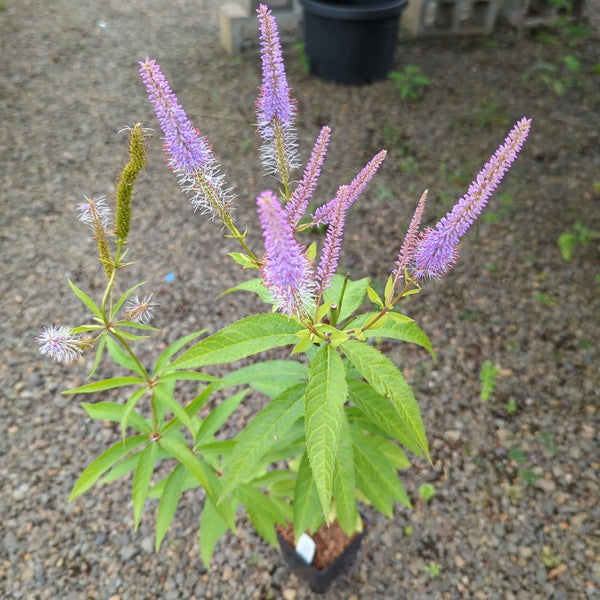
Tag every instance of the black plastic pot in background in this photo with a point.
(320, 581)
(351, 41)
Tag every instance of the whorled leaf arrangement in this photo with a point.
(332, 430)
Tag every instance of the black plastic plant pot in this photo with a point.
(351, 41)
(320, 581)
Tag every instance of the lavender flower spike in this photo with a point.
(411, 238)
(324, 214)
(58, 342)
(298, 203)
(437, 251)
(189, 154)
(275, 110)
(287, 272)
(333, 241)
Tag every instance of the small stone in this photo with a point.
(289, 594)
(547, 485)
(459, 561)
(227, 573)
(525, 551)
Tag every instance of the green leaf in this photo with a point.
(263, 511)
(252, 285)
(168, 502)
(374, 297)
(104, 462)
(203, 473)
(167, 400)
(243, 259)
(163, 359)
(270, 377)
(380, 411)
(113, 411)
(244, 338)
(128, 336)
(141, 481)
(212, 527)
(397, 327)
(128, 408)
(217, 417)
(187, 376)
(353, 296)
(306, 499)
(376, 476)
(99, 351)
(387, 380)
(326, 394)
(106, 384)
(266, 431)
(344, 482)
(121, 357)
(193, 407)
(87, 301)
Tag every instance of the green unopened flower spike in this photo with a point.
(137, 160)
(95, 213)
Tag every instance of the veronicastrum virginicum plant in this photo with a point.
(331, 432)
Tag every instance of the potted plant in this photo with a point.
(351, 41)
(339, 412)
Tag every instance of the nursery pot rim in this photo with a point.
(368, 12)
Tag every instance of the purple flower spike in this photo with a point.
(324, 214)
(286, 270)
(333, 241)
(275, 110)
(298, 203)
(411, 238)
(59, 343)
(189, 154)
(437, 250)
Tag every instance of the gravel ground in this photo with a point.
(516, 512)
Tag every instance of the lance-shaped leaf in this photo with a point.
(270, 377)
(326, 394)
(168, 502)
(141, 481)
(375, 474)
(212, 527)
(263, 511)
(249, 336)
(106, 384)
(217, 417)
(381, 412)
(163, 397)
(122, 358)
(265, 432)
(252, 285)
(203, 473)
(113, 411)
(104, 462)
(163, 359)
(306, 499)
(397, 327)
(344, 483)
(87, 301)
(386, 379)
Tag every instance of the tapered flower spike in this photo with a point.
(137, 160)
(324, 214)
(286, 270)
(410, 239)
(95, 213)
(333, 240)
(140, 311)
(437, 250)
(189, 154)
(275, 110)
(298, 203)
(59, 342)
